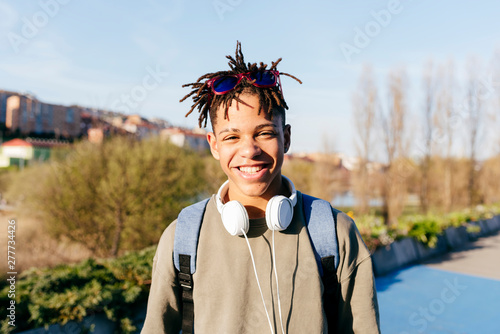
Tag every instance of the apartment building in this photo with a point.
(28, 116)
(195, 139)
(4, 95)
(23, 115)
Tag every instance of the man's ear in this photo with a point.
(287, 134)
(212, 141)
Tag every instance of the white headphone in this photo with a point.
(279, 211)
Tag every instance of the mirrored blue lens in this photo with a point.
(224, 84)
(264, 78)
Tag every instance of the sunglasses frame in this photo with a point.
(246, 75)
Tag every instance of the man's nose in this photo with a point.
(250, 148)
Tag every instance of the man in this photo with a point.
(249, 278)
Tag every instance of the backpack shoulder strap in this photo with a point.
(322, 228)
(186, 236)
(187, 231)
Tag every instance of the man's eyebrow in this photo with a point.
(229, 130)
(258, 127)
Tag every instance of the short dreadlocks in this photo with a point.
(269, 98)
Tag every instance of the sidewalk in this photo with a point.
(480, 258)
(453, 293)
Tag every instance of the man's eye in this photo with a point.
(266, 134)
(230, 138)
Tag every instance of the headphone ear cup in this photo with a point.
(279, 213)
(235, 217)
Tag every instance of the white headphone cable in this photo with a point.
(277, 286)
(258, 283)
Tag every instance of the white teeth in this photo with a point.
(250, 170)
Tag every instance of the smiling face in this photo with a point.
(250, 147)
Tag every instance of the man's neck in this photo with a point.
(256, 206)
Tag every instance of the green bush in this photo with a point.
(456, 219)
(423, 228)
(119, 195)
(426, 229)
(71, 292)
(374, 232)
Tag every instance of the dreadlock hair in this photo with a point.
(270, 98)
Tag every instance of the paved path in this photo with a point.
(481, 258)
(455, 293)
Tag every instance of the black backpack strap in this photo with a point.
(331, 292)
(186, 282)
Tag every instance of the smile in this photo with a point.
(251, 170)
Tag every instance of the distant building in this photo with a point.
(21, 152)
(26, 115)
(140, 126)
(95, 135)
(195, 139)
(4, 95)
(23, 115)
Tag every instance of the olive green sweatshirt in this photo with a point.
(226, 295)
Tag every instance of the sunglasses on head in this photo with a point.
(263, 79)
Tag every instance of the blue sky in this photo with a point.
(93, 53)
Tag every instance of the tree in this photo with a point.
(429, 82)
(121, 194)
(493, 87)
(489, 180)
(365, 104)
(445, 120)
(489, 175)
(474, 126)
(396, 146)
